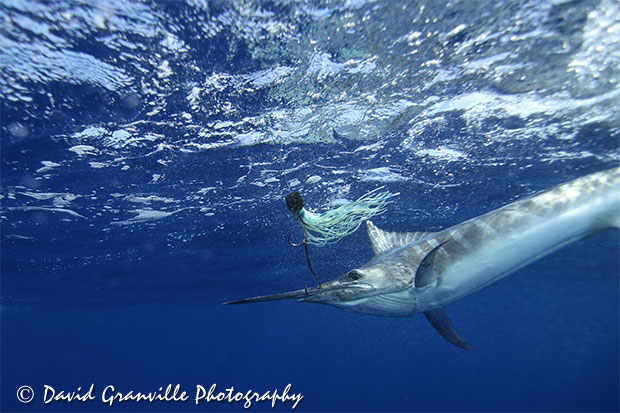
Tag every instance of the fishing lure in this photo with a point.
(329, 227)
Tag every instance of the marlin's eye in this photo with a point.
(353, 275)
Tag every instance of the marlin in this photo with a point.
(422, 272)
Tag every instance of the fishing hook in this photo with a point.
(304, 243)
(295, 245)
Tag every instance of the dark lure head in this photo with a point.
(294, 202)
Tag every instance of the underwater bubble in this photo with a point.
(131, 101)
(19, 130)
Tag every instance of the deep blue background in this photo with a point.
(546, 338)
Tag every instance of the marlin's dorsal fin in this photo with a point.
(384, 240)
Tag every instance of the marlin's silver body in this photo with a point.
(487, 248)
(421, 272)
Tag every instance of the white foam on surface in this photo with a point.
(269, 77)
(47, 166)
(321, 66)
(443, 153)
(83, 150)
(149, 199)
(480, 105)
(382, 174)
(401, 104)
(48, 209)
(91, 132)
(598, 59)
(312, 180)
(146, 215)
(59, 199)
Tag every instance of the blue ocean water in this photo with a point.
(147, 148)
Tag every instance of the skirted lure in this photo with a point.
(331, 226)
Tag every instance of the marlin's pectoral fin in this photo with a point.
(425, 273)
(441, 322)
